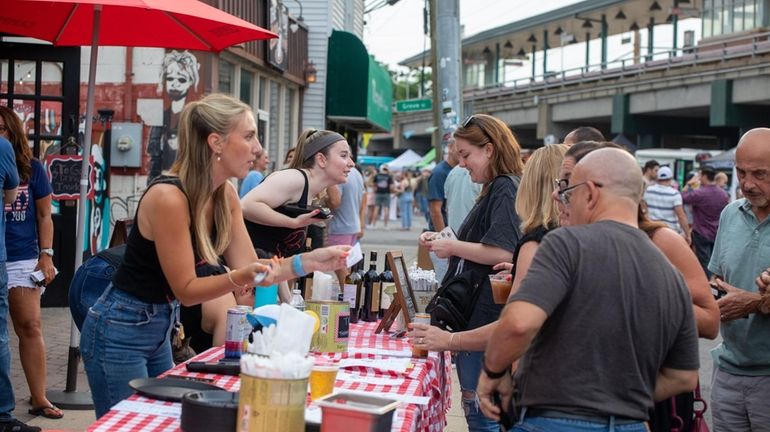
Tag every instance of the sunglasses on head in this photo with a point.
(468, 121)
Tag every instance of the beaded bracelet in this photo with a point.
(296, 265)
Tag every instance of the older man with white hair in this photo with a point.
(605, 321)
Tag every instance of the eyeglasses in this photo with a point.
(565, 193)
(467, 122)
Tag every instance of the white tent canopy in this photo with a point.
(405, 160)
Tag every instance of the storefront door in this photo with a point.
(42, 84)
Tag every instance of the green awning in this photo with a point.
(359, 92)
(427, 159)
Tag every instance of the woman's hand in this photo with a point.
(45, 263)
(250, 272)
(426, 238)
(428, 337)
(443, 248)
(306, 219)
(503, 268)
(325, 259)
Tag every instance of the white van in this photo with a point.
(681, 161)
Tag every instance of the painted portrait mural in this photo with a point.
(179, 84)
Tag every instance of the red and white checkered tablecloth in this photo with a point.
(427, 377)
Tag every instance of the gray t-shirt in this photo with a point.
(618, 312)
(347, 219)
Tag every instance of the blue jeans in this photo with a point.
(468, 370)
(124, 338)
(543, 424)
(405, 203)
(88, 284)
(422, 201)
(7, 401)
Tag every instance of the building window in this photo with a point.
(263, 93)
(226, 77)
(247, 86)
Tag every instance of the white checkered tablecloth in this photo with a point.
(426, 377)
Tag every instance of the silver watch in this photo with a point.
(47, 251)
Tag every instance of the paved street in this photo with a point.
(56, 327)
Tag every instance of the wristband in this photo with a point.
(296, 265)
(491, 374)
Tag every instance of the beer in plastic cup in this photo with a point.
(421, 318)
(501, 287)
(322, 378)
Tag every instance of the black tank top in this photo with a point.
(281, 241)
(140, 273)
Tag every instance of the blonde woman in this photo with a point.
(189, 216)
(539, 214)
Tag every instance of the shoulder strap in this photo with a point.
(303, 199)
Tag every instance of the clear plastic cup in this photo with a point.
(501, 287)
(322, 378)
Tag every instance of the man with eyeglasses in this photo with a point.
(597, 352)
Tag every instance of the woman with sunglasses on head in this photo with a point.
(29, 243)
(189, 216)
(321, 159)
(678, 253)
(489, 235)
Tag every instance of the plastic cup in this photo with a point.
(501, 287)
(322, 378)
(421, 318)
(265, 295)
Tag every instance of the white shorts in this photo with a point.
(19, 272)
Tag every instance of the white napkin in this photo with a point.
(322, 286)
(293, 331)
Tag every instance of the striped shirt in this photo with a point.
(661, 201)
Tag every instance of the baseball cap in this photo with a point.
(664, 173)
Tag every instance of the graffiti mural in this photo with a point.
(179, 83)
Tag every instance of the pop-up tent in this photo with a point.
(723, 161)
(427, 159)
(407, 159)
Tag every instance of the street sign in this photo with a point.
(414, 105)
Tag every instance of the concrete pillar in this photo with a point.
(545, 124)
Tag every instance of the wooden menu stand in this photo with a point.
(404, 299)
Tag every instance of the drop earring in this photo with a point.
(219, 157)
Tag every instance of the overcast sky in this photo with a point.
(395, 33)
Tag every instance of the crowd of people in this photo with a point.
(615, 269)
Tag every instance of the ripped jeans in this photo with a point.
(468, 370)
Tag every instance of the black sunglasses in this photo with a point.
(468, 120)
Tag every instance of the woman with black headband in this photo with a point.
(275, 210)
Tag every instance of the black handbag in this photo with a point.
(452, 305)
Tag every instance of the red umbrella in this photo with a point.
(183, 24)
(187, 24)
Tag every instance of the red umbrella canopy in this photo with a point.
(180, 24)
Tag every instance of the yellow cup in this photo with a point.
(322, 378)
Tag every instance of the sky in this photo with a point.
(394, 33)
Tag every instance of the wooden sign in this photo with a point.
(64, 174)
(404, 300)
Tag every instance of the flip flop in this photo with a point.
(50, 412)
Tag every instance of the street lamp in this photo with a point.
(310, 72)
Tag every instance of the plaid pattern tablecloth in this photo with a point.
(426, 377)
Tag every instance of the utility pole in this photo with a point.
(446, 55)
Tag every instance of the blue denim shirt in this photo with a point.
(741, 253)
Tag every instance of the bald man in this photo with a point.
(583, 133)
(740, 397)
(595, 348)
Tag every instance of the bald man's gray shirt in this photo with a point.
(618, 312)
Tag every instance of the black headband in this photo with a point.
(320, 143)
